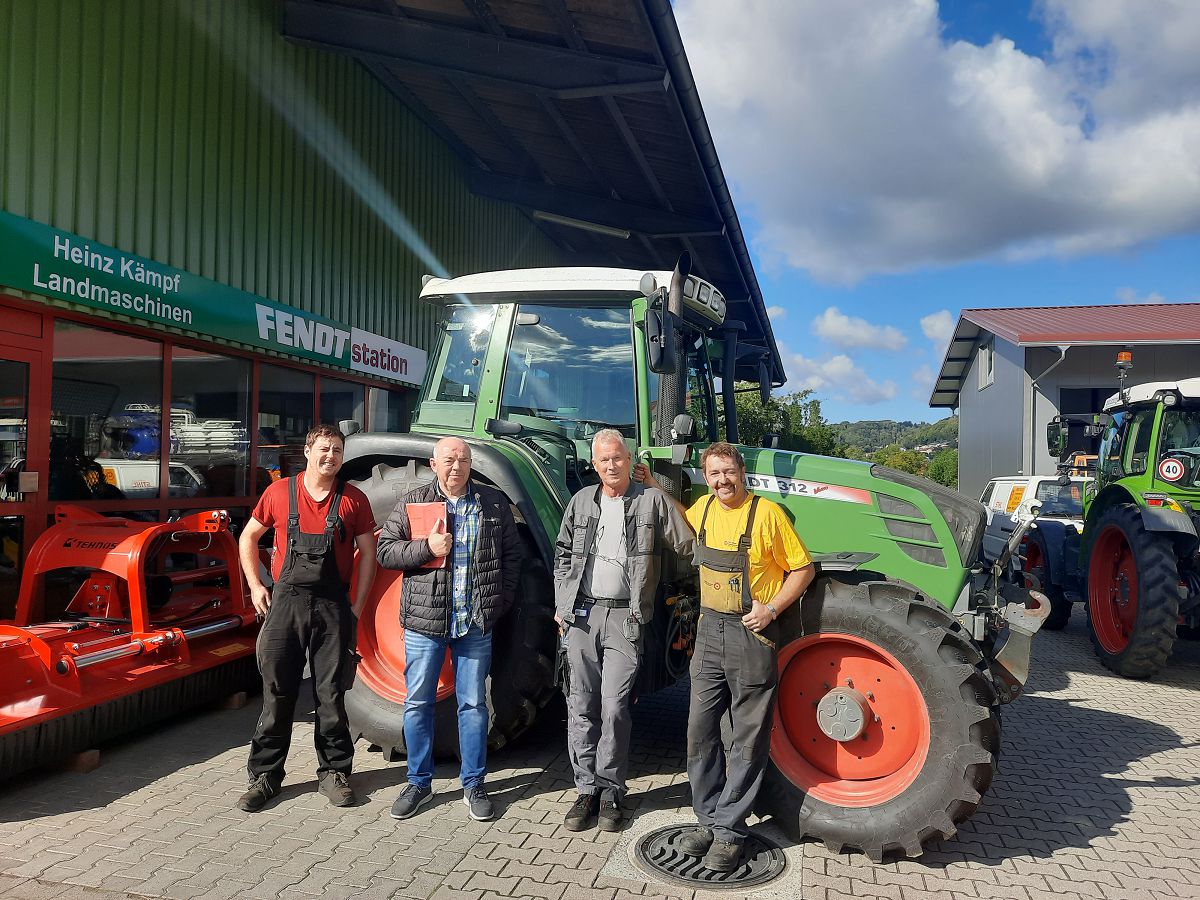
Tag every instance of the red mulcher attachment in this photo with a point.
(160, 621)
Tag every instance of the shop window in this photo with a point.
(210, 420)
(285, 416)
(342, 400)
(391, 411)
(105, 415)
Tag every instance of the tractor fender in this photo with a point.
(364, 450)
(1180, 525)
(1055, 536)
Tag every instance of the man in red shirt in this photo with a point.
(318, 522)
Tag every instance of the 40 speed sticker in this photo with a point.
(1170, 469)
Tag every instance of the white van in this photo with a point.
(1012, 494)
(139, 477)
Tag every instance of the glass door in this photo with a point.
(24, 453)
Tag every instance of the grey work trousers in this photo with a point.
(603, 668)
(731, 671)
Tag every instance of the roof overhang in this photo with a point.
(587, 118)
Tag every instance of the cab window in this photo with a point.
(1141, 427)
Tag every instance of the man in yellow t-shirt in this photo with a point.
(753, 566)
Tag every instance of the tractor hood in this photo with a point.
(917, 530)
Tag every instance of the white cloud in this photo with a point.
(865, 143)
(775, 313)
(849, 332)
(838, 377)
(923, 378)
(1129, 295)
(938, 326)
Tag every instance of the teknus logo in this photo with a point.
(75, 544)
(290, 330)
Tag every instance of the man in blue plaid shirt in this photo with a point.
(452, 605)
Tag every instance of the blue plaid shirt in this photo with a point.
(466, 513)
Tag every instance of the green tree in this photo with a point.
(795, 417)
(895, 457)
(855, 452)
(943, 468)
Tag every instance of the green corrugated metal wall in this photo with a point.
(192, 134)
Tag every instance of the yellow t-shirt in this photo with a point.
(775, 548)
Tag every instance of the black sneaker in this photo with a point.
(582, 814)
(610, 816)
(696, 841)
(262, 788)
(722, 856)
(336, 786)
(478, 802)
(412, 798)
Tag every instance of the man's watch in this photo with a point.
(774, 611)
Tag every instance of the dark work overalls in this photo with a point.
(309, 617)
(733, 669)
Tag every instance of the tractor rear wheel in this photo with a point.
(523, 646)
(886, 735)
(1133, 594)
(1037, 564)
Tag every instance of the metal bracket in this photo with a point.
(1010, 663)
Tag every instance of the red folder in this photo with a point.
(422, 519)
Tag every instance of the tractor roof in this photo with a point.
(1189, 388)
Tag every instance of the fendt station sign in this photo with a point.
(54, 263)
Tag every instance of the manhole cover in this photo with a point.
(658, 854)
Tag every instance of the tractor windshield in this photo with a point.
(1179, 447)
(572, 369)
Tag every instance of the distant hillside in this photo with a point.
(872, 435)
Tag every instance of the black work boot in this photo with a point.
(336, 786)
(611, 815)
(262, 788)
(696, 841)
(723, 856)
(582, 814)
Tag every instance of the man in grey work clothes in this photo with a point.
(606, 570)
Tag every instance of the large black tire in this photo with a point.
(524, 644)
(1037, 563)
(955, 734)
(1133, 594)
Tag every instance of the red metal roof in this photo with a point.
(1132, 323)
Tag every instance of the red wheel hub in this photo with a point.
(381, 642)
(851, 726)
(1112, 590)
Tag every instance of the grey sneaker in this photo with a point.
(582, 814)
(262, 788)
(696, 841)
(411, 799)
(336, 786)
(723, 856)
(611, 816)
(477, 801)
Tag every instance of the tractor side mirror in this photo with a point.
(764, 382)
(660, 342)
(1056, 437)
(683, 429)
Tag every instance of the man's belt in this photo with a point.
(607, 602)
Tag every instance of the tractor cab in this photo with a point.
(549, 357)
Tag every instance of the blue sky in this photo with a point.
(897, 161)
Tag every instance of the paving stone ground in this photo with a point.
(1098, 796)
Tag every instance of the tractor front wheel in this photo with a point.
(1133, 594)
(885, 733)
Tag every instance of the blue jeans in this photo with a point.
(423, 657)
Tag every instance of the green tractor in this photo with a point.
(892, 669)
(1138, 552)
